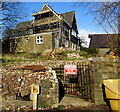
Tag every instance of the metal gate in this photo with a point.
(79, 84)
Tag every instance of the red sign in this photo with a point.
(70, 69)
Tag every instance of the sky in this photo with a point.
(85, 23)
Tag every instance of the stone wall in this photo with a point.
(30, 46)
(102, 70)
(49, 93)
(102, 51)
(16, 84)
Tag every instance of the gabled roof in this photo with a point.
(68, 16)
(103, 40)
(46, 8)
(23, 25)
(29, 24)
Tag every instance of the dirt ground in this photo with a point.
(68, 104)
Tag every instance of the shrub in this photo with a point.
(60, 107)
(90, 50)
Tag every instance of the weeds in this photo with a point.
(11, 58)
(61, 55)
(5, 60)
(60, 107)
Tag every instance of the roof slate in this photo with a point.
(69, 16)
(103, 40)
(23, 25)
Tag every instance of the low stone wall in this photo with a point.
(49, 93)
(102, 70)
(16, 84)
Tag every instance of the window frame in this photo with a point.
(39, 40)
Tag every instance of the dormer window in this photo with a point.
(39, 39)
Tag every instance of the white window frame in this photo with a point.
(39, 39)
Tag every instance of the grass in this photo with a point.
(11, 58)
(60, 107)
(81, 53)
(78, 52)
(5, 60)
(72, 59)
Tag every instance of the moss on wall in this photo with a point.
(47, 44)
(30, 45)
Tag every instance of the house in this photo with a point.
(48, 30)
(104, 42)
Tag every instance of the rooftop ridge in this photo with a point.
(67, 12)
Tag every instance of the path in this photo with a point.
(78, 104)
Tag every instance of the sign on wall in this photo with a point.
(70, 69)
(35, 89)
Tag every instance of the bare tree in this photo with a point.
(11, 13)
(106, 14)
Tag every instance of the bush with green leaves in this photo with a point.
(90, 50)
(60, 107)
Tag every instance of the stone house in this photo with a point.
(104, 43)
(48, 30)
